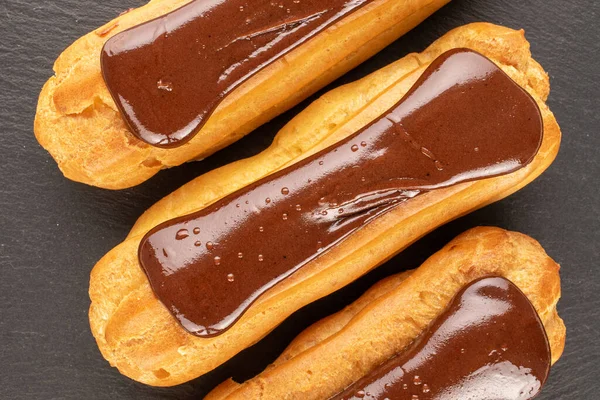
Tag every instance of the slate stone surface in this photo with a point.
(52, 231)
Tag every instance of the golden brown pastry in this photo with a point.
(380, 324)
(138, 335)
(78, 122)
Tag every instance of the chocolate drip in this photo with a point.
(463, 120)
(489, 344)
(168, 75)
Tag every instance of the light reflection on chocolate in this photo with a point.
(463, 120)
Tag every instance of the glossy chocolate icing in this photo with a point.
(168, 75)
(464, 119)
(489, 344)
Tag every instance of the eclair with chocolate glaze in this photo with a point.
(177, 80)
(477, 320)
(198, 280)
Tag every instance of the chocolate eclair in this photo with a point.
(455, 328)
(215, 266)
(488, 344)
(176, 80)
(464, 120)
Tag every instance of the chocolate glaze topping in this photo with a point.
(463, 120)
(489, 344)
(168, 75)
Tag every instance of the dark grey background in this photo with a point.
(52, 231)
